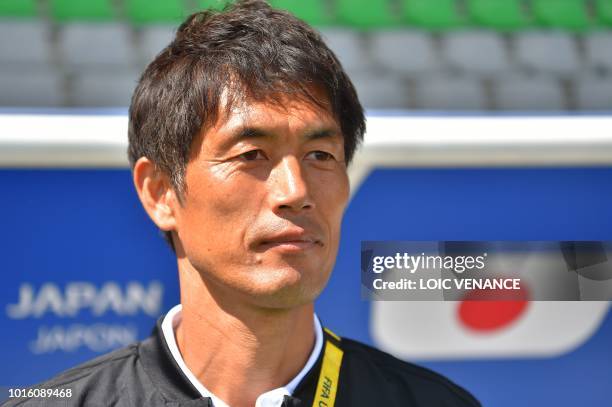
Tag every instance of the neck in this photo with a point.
(239, 351)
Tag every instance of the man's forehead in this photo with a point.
(236, 110)
(290, 112)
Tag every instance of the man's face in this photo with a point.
(266, 188)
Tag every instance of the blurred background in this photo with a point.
(488, 120)
(402, 54)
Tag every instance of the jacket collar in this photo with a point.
(169, 379)
(165, 373)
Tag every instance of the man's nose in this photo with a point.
(288, 186)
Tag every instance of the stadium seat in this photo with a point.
(155, 11)
(604, 11)
(382, 92)
(79, 10)
(498, 14)
(104, 89)
(213, 4)
(153, 39)
(31, 88)
(529, 94)
(95, 46)
(17, 8)
(365, 14)
(565, 14)
(598, 50)
(404, 52)
(476, 52)
(443, 93)
(349, 48)
(313, 11)
(594, 93)
(547, 52)
(14, 35)
(438, 14)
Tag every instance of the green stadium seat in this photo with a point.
(498, 14)
(313, 12)
(155, 11)
(79, 10)
(364, 14)
(604, 11)
(566, 14)
(432, 14)
(212, 4)
(17, 8)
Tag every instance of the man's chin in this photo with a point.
(284, 288)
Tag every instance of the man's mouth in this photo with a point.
(291, 240)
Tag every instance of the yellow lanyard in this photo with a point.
(327, 387)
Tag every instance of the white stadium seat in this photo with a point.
(107, 89)
(594, 93)
(451, 93)
(529, 93)
(99, 46)
(547, 52)
(405, 52)
(476, 52)
(153, 39)
(349, 48)
(31, 88)
(24, 43)
(598, 48)
(382, 92)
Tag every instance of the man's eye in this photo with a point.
(253, 155)
(321, 156)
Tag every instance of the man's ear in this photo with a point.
(156, 194)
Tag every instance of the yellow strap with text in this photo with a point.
(327, 387)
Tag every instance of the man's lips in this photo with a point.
(292, 239)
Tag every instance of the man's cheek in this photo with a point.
(217, 205)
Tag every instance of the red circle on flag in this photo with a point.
(482, 311)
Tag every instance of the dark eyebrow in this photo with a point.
(318, 134)
(246, 133)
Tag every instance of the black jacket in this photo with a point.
(146, 374)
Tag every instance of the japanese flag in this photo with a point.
(490, 329)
